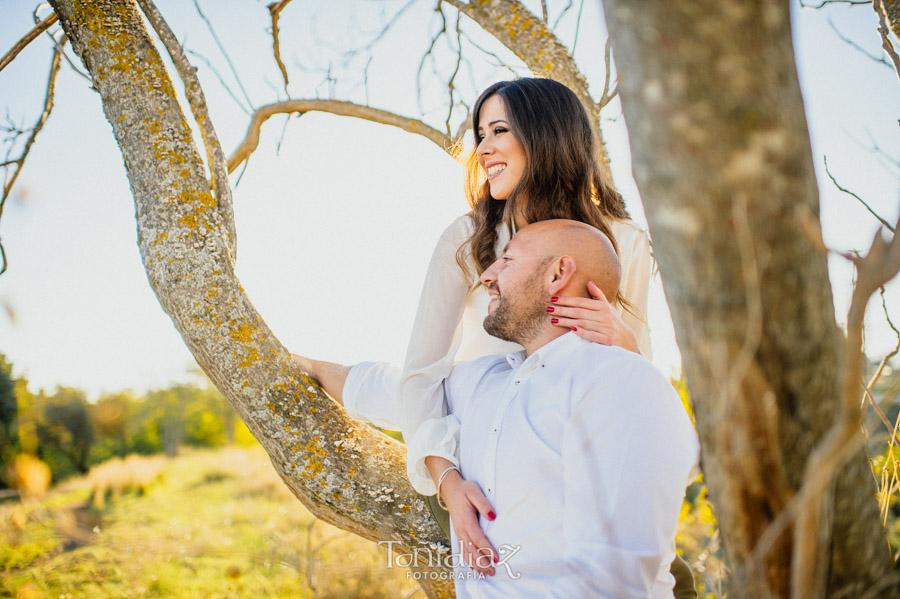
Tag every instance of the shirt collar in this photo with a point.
(549, 353)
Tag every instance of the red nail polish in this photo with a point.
(550, 308)
(554, 299)
(554, 320)
(574, 328)
(491, 516)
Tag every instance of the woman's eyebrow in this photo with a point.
(495, 122)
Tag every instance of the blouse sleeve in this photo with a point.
(637, 264)
(435, 340)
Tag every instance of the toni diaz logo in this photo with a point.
(437, 556)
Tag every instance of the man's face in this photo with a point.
(517, 284)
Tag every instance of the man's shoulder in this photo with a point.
(475, 369)
(607, 370)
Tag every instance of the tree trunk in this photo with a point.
(721, 155)
(343, 471)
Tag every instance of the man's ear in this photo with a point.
(562, 273)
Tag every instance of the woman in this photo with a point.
(534, 160)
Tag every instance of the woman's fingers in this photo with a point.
(596, 292)
(477, 551)
(480, 502)
(600, 316)
(582, 328)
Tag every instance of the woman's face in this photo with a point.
(499, 152)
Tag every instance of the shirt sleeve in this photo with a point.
(629, 452)
(370, 394)
(637, 265)
(435, 339)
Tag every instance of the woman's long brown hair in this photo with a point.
(561, 179)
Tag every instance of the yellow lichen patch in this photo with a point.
(312, 468)
(405, 508)
(189, 220)
(251, 357)
(185, 173)
(243, 333)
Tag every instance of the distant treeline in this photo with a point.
(71, 434)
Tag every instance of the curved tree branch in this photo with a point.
(880, 265)
(343, 471)
(197, 101)
(19, 162)
(27, 39)
(340, 108)
(275, 12)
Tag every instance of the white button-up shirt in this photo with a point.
(584, 451)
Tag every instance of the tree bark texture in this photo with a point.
(892, 12)
(721, 155)
(530, 38)
(343, 471)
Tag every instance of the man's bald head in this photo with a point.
(592, 251)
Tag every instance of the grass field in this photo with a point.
(216, 524)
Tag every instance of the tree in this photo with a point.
(9, 414)
(767, 366)
(64, 430)
(779, 366)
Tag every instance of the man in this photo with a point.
(582, 450)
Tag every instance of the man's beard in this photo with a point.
(521, 312)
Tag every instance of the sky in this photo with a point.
(336, 217)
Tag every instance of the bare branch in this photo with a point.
(499, 61)
(215, 71)
(215, 36)
(275, 10)
(881, 365)
(263, 113)
(381, 34)
(824, 2)
(861, 201)
(563, 13)
(878, 5)
(544, 10)
(19, 162)
(577, 26)
(27, 39)
(197, 101)
(607, 97)
(852, 44)
(429, 52)
(451, 82)
(880, 265)
(463, 127)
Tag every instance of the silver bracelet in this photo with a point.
(440, 482)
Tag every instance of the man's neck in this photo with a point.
(548, 334)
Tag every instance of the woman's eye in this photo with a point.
(500, 130)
